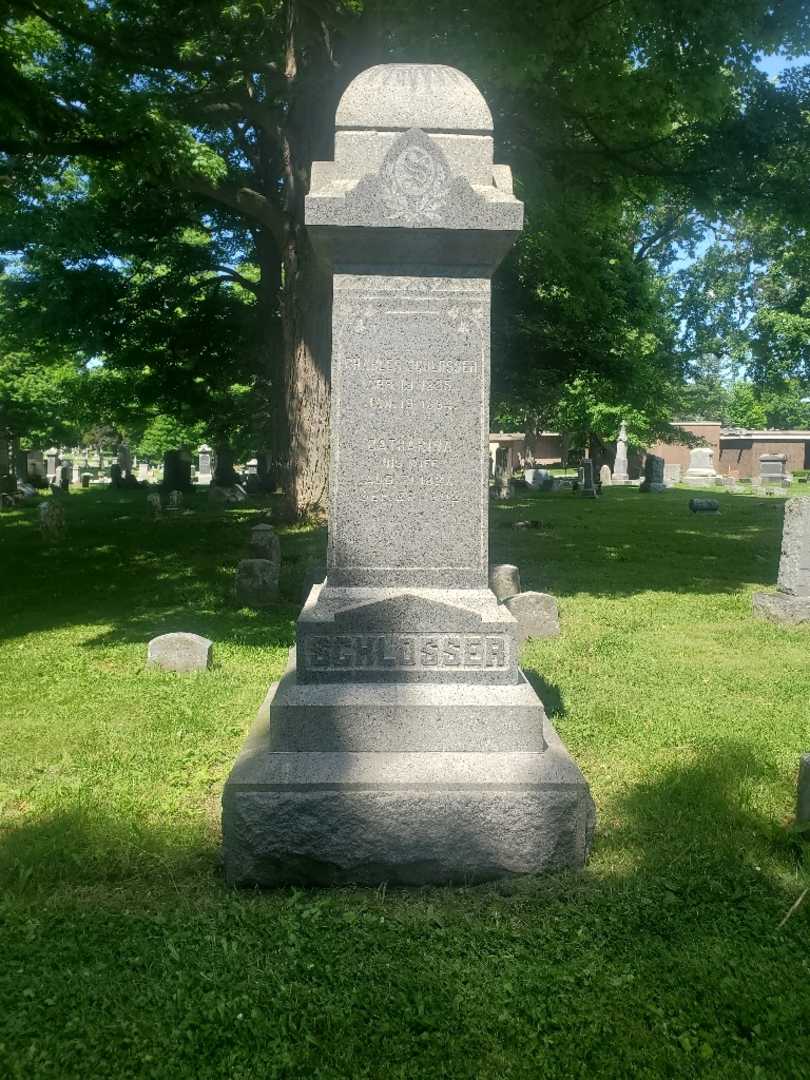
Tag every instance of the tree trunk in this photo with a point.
(306, 302)
(307, 321)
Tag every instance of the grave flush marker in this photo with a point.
(404, 743)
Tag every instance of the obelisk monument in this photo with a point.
(404, 743)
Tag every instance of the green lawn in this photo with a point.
(123, 954)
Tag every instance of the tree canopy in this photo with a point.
(154, 158)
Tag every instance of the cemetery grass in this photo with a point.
(124, 954)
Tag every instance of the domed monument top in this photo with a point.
(395, 97)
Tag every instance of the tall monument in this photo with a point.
(620, 473)
(404, 743)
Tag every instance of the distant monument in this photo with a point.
(773, 470)
(404, 744)
(587, 485)
(701, 468)
(620, 473)
(653, 474)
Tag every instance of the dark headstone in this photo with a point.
(176, 471)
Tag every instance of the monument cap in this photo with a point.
(396, 97)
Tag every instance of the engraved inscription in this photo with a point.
(403, 652)
(411, 424)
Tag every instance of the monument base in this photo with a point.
(782, 607)
(435, 815)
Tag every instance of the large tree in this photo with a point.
(623, 118)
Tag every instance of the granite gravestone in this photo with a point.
(672, 474)
(605, 477)
(180, 652)
(620, 473)
(587, 487)
(791, 603)
(125, 461)
(653, 474)
(772, 470)
(176, 471)
(204, 475)
(701, 467)
(51, 460)
(404, 743)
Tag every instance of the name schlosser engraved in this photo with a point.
(415, 652)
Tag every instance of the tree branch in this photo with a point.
(234, 275)
(244, 200)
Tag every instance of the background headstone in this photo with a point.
(51, 462)
(504, 580)
(587, 487)
(52, 520)
(620, 473)
(125, 461)
(773, 470)
(701, 467)
(672, 474)
(791, 603)
(180, 652)
(537, 615)
(704, 506)
(176, 471)
(264, 543)
(257, 582)
(653, 474)
(204, 460)
(605, 476)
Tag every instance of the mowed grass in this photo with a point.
(123, 953)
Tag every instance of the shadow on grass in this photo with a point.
(627, 542)
(139, 577)
(693, 821)
(549, 693)
(669, 963)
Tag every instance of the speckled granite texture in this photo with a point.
(404, 744)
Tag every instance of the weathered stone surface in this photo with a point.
(587, 487)
(605, 476)
(773, 470)
(672, 474)
(428, 96)
(653, 474)
(537, 615)
(257, 582)
(52, 520)
(782, 608)
(264, 543)
(701, 471)
(803, 791)
(332, 816)
(180, 652)
(405, 744)
(226, 496)
(176, 471)
(204, 459)
(704, 506)
(620, 473)
(504, 580)
(794, 562)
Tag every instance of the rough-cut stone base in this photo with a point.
(782, 607)
(324, 818)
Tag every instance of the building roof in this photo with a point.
(506, 437)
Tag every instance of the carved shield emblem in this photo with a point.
(415, 180)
